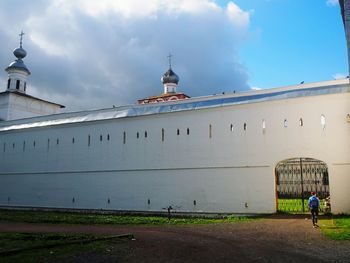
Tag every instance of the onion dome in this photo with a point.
(170, 77)
(19, 53)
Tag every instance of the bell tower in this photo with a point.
(17, 71)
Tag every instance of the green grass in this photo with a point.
(10, 241)
(295, 205)
(337, 228)
(94, 219)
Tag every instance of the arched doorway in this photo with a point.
(295, 179)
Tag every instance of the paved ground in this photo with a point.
(274, 239)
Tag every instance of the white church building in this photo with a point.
(227, 153)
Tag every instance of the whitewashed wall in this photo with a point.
(231, 171)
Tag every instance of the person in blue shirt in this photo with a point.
(314, 205)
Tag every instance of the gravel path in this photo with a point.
(273, 239)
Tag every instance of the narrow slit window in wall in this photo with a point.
(178, 132)
(17, 84)
(301, 122)
(34, 144)
(13, 145)
(8, 83)
(25, 86)
(89, 140)
(73, 140)
(285, 123)
(4, 146)
(124, 137)
(137, 135)
(210, 131)
(188, 131)
(48, 143)
(231, 128)
(245, 126)
(57, 141)
(323, 121)
(101, 138)
(24, 146)
(162, 135)
(146, 134)
(108, 137)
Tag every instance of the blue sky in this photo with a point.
(293, 41)
(97, 53)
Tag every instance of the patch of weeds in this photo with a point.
(337, 228)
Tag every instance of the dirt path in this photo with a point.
(274, 239)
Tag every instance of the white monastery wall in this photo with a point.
(3, 108)
(221, 169)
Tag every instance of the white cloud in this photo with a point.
(339, 76)
(89, 53)
(332, 2)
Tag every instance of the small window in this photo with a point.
(34, 143)
(323, 121)
(285, 123)
(73, 140)
(231, 128)
(162, 135)
(101, 138)
(13, 145)
(24, 146)
(4, 146)
(188, 131)
(137, 135)
(263, 124)
(108, 137)
(25, 86)
(89, 140)
(57, 141)
(48, 143)
(146, 134)
(8, 83)
(17, 83)
(124, 137)
(210, 130)
(245, 126)
(301, 122)
(178, 132)
(348, 118)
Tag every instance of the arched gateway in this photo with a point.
(296, 178)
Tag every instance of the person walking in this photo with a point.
(314, 205)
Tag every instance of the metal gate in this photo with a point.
(296, 179)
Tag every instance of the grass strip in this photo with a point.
(66, 243)
(95, 219)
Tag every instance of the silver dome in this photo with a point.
(19, 53)
(18, 64)
(170, 77)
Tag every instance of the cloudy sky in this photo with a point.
(98, 53)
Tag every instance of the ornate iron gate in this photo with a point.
(296, 179)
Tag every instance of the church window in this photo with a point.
(8, 83)
(137, 135)
(162, 135)
(178, 132)
(210, 131)
(188, 131)
(124, 137)
(89, 140)
(146, 134)
(108, 137)
(323, 121)
(231, 128)
(101, 138)
(245, 126)
(301, 122)
(17, 83)
(285, 123)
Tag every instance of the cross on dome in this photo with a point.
(169, 58)
(20, 41)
